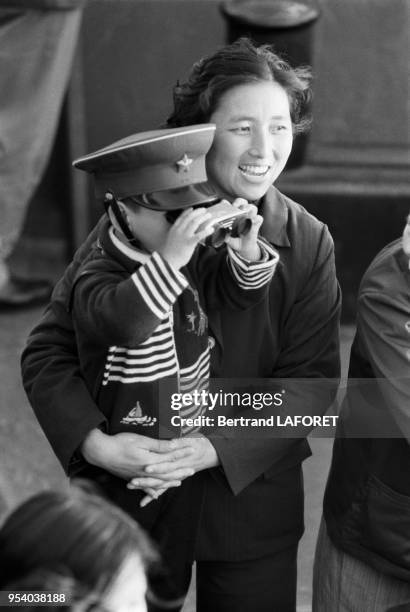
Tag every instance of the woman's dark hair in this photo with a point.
(76, 532)
(238, 64)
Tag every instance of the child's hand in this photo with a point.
(247, 245)
(183, 236)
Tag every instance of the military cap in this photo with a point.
(161, 169)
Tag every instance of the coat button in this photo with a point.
(407, 326)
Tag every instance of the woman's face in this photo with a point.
(127, 592)
(252, 142)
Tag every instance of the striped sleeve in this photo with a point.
(253, 274)
(159, 284)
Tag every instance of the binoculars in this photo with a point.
(227, 220)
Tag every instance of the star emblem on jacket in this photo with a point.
(136, 417)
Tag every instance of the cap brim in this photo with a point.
(182, 197)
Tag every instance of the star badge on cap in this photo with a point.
(184, 163)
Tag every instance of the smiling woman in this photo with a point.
(253, 140)
(258, 103)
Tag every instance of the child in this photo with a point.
(138, 304)
(137, 308)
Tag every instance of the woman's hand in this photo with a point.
(184, 235)
(247, 245)
(169, 473)
(127, 455)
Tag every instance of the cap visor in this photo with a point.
(182, 197)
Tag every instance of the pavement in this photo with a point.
(27, 464)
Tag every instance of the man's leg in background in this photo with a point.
(36, 51)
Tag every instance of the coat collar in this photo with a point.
(274, 211)
(403, 261)
(131, 253)
(125, 255)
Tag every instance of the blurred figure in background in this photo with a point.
(37, 42)
(363, 551)
(80, 535)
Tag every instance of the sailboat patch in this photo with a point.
(135, 417)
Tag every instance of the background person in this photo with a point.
(82, 535)
(363, 555)
(252, 516)
(37, 43)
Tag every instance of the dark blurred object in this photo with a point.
(287, 25)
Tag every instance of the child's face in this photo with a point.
(149, 226)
